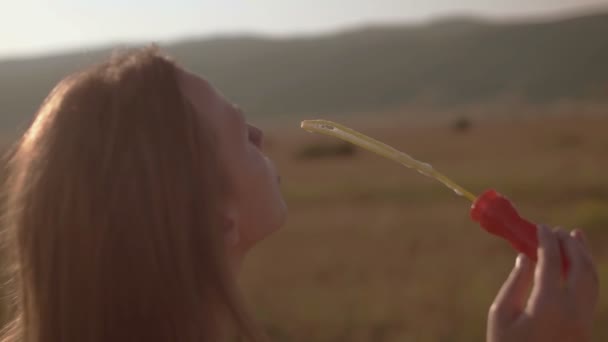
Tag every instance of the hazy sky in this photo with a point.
(40, 26)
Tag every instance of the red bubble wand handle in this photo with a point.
(496, 214)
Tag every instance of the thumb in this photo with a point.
(512, 297)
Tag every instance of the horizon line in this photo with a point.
(555, 16)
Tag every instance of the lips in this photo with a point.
(273, 167)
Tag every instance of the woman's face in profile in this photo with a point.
(256, 207)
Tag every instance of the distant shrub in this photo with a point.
(326, 150)
(462, 124)
(568, 140)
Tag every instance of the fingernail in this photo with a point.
(519, 260)
(577, 235)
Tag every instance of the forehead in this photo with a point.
(209, 102)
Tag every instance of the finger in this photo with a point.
(582, 237)
(548, 270)
(573, 250)
(587, 271)
(512, 297)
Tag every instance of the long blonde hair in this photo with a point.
(111, 213)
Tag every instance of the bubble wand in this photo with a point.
(493, 211)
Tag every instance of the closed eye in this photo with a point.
(256, 136)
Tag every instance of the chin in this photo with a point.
(273, 221)
(278, 221)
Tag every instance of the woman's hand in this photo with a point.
(557, 309)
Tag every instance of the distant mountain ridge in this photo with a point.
(448, 62)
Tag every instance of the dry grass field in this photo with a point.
(375, 252)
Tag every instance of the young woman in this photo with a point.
(138, 190)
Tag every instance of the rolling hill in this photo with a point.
(444, 63)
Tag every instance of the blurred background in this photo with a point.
(505, 94)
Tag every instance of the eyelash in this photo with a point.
(253, 137)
